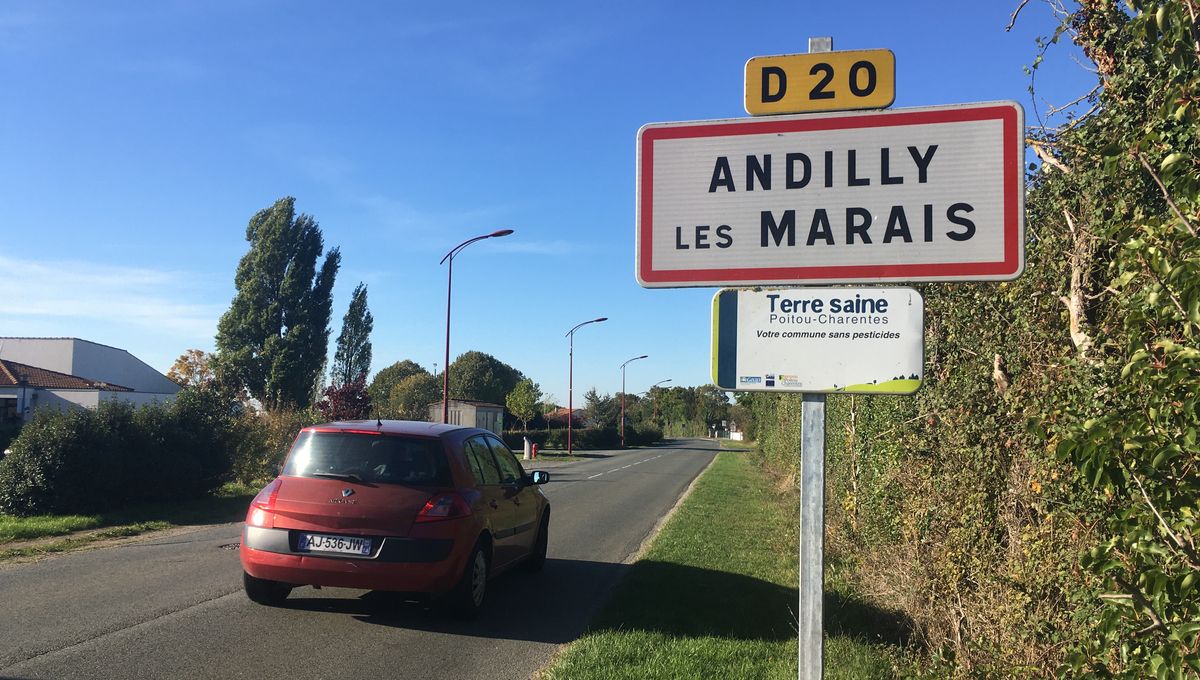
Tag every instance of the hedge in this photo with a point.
(1033, 507)
(584, 438)
(81, 461)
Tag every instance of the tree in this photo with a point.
(353, 355)
(275, 335)
(522, 401)
(601, 410)
(475, 375)
(193, 368)
(712, 405)
(410, 398)
(386, 379)
(348, 401)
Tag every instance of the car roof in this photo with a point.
(406, 427)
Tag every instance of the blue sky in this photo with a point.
(138, 138)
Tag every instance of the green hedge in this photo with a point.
(116, 455)
(80, 461)
(1034, 506)
(584, 438)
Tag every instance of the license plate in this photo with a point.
(345, 545)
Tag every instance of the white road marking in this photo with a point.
(598, 474)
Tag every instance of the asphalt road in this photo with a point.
(171, 605)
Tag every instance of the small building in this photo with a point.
(471, 413)
(63, 372)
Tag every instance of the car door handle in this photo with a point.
(493, 503)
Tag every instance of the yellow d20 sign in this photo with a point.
(820, 81)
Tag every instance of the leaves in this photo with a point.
(273, 339)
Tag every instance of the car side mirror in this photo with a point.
(539, 477)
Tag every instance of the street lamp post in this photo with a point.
(449, 282)
(644, 356)
(571, 377)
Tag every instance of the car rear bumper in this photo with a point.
(398, 564)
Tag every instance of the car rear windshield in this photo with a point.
(370, 458)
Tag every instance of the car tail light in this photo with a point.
(262, 508)
(444, 506)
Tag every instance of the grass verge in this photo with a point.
(715, 596)
(228, 504)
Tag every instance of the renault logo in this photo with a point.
(346, 493)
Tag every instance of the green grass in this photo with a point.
(228, 504)
(715, 595)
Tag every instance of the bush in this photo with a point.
(266, 439)
(81, 461)
(8, 433)
(583, 438)
(642, 435)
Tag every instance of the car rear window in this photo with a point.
(371, 458)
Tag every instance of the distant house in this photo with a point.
(558, 417)
(471, 413)
(64, 372)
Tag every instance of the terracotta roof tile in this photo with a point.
(41, 378)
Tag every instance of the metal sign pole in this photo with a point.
(812, 538)
(812, 516)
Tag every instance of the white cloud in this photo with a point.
(70, 296)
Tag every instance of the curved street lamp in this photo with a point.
(571, 377)
(644, 356)
(449, 282)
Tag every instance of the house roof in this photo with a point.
(12, 372)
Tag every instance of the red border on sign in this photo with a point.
(1009, 266)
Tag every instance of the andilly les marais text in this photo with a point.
(857, 224)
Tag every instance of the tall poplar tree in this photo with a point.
(274, 337)
(353, 355)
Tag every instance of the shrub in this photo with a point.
(266, 438)
(582, 438)
(81, 461)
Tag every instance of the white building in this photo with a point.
(62, 372)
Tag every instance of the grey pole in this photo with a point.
(812, 538)
(812, 516)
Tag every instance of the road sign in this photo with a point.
(822, 81)
(923, 194)
(822, 340)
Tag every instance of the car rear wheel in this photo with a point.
(537, 556)
(262, 591)
(466, 600)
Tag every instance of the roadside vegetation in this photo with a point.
(1033, 508)
(716, 593)
(43, 534)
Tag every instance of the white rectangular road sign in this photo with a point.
(853, 340)
(929, 194)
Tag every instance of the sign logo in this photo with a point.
(750, 380)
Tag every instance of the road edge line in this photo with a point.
(662, 521)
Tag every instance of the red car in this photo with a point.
(416, 508)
